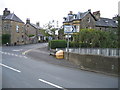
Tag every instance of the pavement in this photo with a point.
(36, 54)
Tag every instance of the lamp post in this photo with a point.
(68, 29)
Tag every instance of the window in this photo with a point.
(116, 22)
(17, 39)
(17, 29)
(88, 20)
(76, 28)
(22, 29)
(106, 21)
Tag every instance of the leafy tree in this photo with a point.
(97, 38)
(118, 31)
(50, 29)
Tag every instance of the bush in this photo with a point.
(5, 38)
(31, 35)
(74, 44)
(57, 44)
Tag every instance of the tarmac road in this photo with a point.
(23, 68)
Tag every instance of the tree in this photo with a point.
(91, 38)
(118, 31)
(50, 28)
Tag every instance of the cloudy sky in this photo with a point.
(44, 11)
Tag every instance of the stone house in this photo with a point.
(14, 26)
(89, 20)
(32, 32)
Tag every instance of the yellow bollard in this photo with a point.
(59, 54)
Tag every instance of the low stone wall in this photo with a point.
(95, 63)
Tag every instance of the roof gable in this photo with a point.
(35, 26)
(78, 16)
(13, 17)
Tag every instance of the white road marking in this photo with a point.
(51, 84)
(10, 67)
(26, 52)
(25, 57)
(11, 54)
(16, 55)
(16, 50)
(4, 52)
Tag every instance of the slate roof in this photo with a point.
(106, 22)
(35, 26)
(13, 17)
(79, 15)
(102, 22)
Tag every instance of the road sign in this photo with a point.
(68, 29)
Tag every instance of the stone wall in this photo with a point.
(95, 63)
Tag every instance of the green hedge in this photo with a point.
(57, 44)
(6, 38)
(31, 35)
(74, 44)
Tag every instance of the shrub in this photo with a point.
(5, 38)
(57, 44)
(31, 35)
(74, 44)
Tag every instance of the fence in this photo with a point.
(96, 51)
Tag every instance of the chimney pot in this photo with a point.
(89, 10)
(6, 12)
(70, 13)
(28, 21)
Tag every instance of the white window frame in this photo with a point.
(17, 28)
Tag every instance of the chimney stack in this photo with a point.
(38, 24)
(6, 12)
(97, 15)
(28, 21)
(70, 13)
(89, 10)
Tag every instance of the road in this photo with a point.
(21, 71)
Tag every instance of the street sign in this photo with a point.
(71, 28)
(68, 29)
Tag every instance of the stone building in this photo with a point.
(14, 26)
(32, 32)
(89, 20)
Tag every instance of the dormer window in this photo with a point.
(116, 22)
(75, 16)
(106, 21)
(65, 18)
